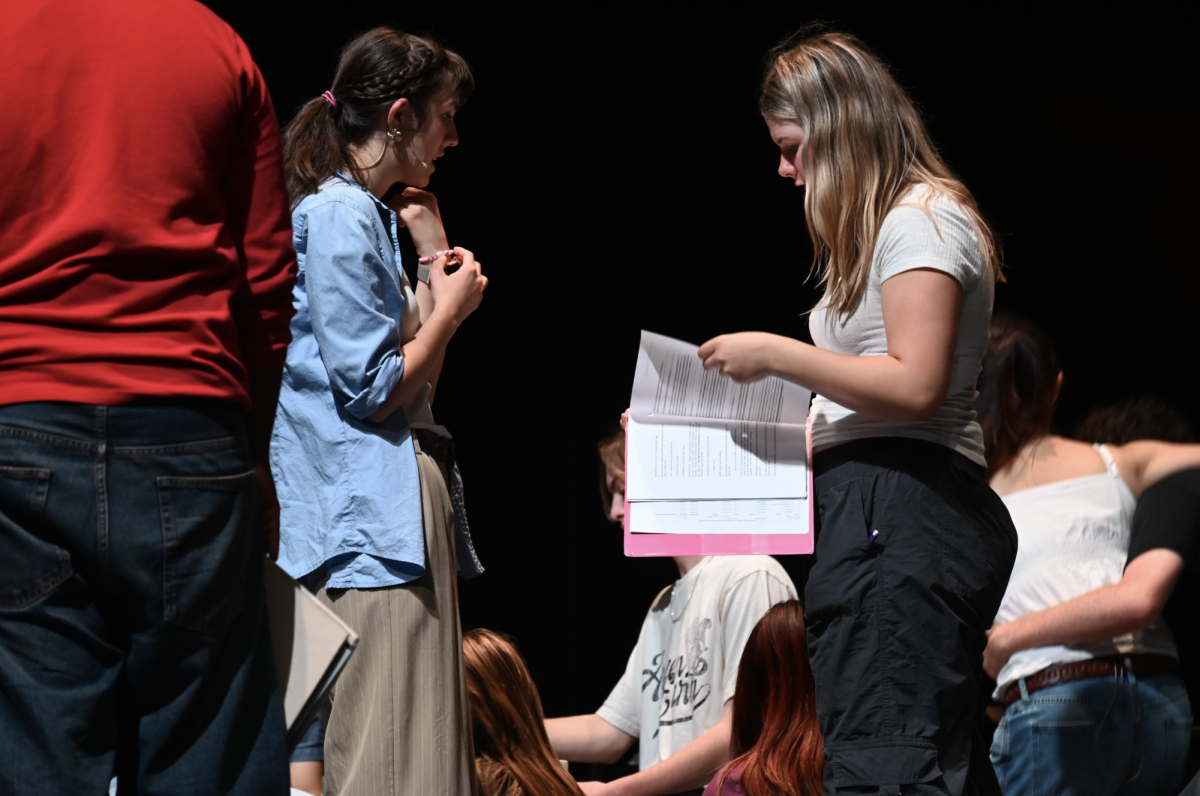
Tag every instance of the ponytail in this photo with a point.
(1018, 385)
(375, 69)
(313, 149)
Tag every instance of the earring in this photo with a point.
(397, 137)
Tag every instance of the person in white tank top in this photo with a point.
(1110, 717)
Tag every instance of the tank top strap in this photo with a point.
(1109, 462)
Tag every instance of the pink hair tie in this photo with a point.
(328, 95)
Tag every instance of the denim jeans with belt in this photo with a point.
(133, 635)
(1101, 736)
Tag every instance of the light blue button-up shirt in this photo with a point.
(349, 492)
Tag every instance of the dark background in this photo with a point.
(614, 175)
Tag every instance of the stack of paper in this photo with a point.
(705, 455)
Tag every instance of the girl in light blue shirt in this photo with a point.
(366, 478)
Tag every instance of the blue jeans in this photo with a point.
(1102, 736)
(133, 634)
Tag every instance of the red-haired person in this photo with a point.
(676, 694)
(774, 740)
(512, 753)
(1093, 708)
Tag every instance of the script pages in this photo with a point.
(705, 455)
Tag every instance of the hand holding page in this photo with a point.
(707, 458)
(696, 435)
(671, 380)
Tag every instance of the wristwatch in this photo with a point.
(423, 270)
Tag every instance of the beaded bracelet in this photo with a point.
(424, 263)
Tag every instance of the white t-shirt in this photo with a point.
(1073, 538)
(684, 666)
(909, 239)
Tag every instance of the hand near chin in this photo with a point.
(744, 357)
(418, 211)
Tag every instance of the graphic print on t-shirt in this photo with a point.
(681, 685)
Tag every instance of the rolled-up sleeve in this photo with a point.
(357, 333)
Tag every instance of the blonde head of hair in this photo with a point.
(865, 147)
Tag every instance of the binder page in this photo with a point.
(673, 458)
(670, 379)
(720, 516)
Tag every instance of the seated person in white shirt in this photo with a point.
(676, 694)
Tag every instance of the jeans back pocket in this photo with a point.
(207, 525)
(33, 565)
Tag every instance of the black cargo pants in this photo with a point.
(913, 554)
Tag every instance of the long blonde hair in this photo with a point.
(865, 148)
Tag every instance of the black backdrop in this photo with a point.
(614, 175)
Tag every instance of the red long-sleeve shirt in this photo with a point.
(145, 236)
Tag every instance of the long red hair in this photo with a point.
(775, 739)
(512, 751)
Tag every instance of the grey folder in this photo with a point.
(312, 646)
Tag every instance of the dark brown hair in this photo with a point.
(1018, 384)
(775, 738)
(1139, 418)
(512, 751)
(375, 69)
(612, 456)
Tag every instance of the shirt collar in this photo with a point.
(346, 178)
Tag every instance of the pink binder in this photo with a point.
(724, 544)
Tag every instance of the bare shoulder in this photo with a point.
(1070, 454)
(1138, 452)
(1144, 462)
(1048, 461)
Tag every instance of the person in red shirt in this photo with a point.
(146, 271)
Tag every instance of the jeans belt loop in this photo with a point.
(1024, 690)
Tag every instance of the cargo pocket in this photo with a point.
(978, 546)
(33, 565)
(843, 580)
(207, 524)
(883, 763)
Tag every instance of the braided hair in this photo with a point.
(376, 69)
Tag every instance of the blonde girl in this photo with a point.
(913, 550)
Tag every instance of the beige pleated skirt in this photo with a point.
(398, 722)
